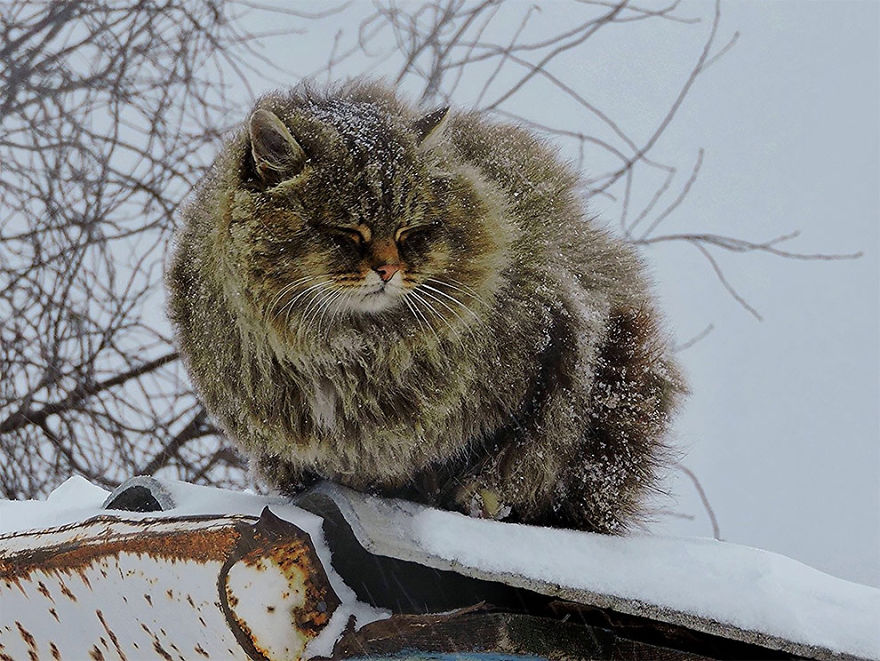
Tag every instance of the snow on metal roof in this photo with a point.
(215, 573)
(719, 588)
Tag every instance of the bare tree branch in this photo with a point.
(716, 530)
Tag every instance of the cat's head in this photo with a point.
(356, 208)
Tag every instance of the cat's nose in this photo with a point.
(386, 271)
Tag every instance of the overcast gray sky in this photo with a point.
(782, 426)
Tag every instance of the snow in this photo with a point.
(74, 500)
(699, 581)
(735, 586)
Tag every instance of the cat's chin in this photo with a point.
(375, 302)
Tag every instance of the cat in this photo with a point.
(417, 305)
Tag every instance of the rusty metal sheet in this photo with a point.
(233, 587)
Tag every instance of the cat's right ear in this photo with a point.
(276, 153)
(431, 127)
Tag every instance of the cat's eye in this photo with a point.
(408, 234)
(351, 236)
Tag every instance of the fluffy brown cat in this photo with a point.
(416, 305)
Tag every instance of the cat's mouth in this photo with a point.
(376, 297)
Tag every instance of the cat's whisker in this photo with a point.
(284, 291)
(452, 310)
(472, 294)
(329, 304)
(289, 305)
(314, 307)
(417, 297)
(463, 284)
(315, 295)
(341, 306)
(312, 317)
(453, 299)
(462, 287)
(411, 309)
(439, 315)
(467, 327)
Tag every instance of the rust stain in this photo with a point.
(201, 651)
(200, 545)
(299, 563)
(149, 599)
(157, 646)
(29, 640)
(17, 584)
(96, 654)
(113, 638)
(66, 592)
(291, 551)
(26, 635)
(55, 653)
(161, 651)
(43, 590)
(85, 579)
(54, 614)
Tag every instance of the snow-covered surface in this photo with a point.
(77, 500)
(708, 585)
(727, 589)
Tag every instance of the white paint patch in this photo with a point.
(264, 601)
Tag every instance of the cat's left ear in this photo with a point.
(276, 153)
(431, 127)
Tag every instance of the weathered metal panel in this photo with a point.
(184, 588)
(479, 634)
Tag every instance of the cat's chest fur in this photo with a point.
(411, 402)
(356, 388)
(322, 403)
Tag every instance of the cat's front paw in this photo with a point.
(486, 504)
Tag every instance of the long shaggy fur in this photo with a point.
(513, 368)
